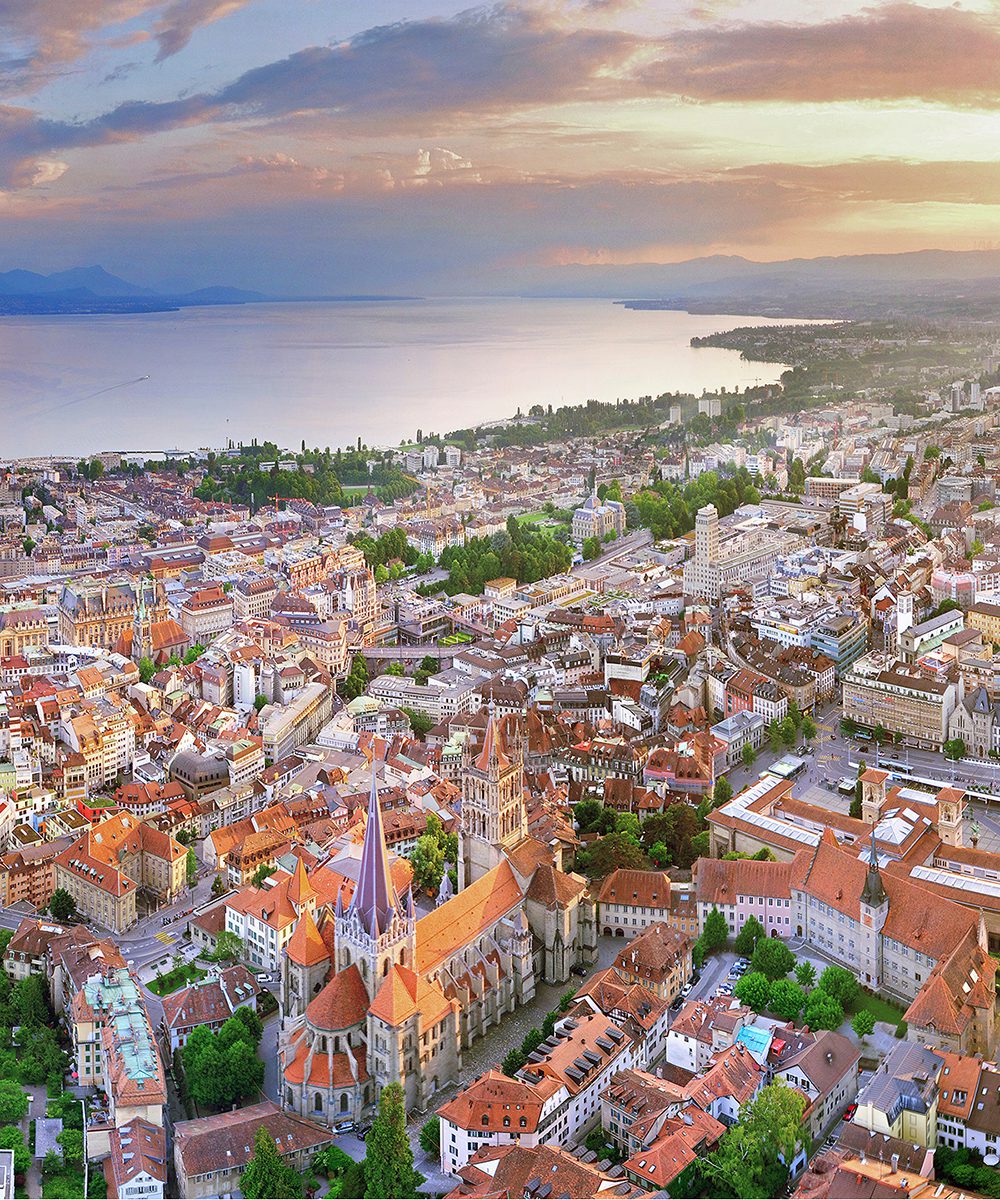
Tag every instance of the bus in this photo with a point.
(846, 786)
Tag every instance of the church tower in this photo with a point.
(950, 803)
(142, 627)
(873, 783)
(378, 929)
(493, 813)
(874, 911)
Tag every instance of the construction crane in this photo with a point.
(275, 499)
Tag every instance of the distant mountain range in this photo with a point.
(92, 289)
(933, 283)
(929, 282)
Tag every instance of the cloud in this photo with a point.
(899, 51)
(403, 76)
(51, 34)
(180, 19)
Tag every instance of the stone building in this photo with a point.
(371, 995)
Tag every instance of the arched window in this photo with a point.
(344, 1102)
(288, 1097)
(402, 957)
(318, 1102)
(336, 1045)
(322, 1045)
(385, 967)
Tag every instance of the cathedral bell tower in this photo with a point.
(378, 928)
(493, 813)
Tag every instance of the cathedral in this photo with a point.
(371, 994)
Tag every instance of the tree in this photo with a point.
(218, 886)
(954, 749)
(857, 806)
(660, 854)
(243, 1071)
(617, 850)
(254, 1025)
(263, 872)
(420, 722)
(513, 1061)
(808, 728)
(863, 1023)
(774, 736)
(260, 702)
(13, 1102)
(71, 1143)
(29, 1003)
(389, 1170)
(773, 958)
(591, 548)
(754, 990)
(191, 866)
(805, 973)
(587, 813)
(839, 983)
(147, 669)
(427, 860)
(787, 999)
(823, 1011)
(748, 936)
(62, 906)
(11, 1138)
(430, 1137)
(196, 651)
(266, 1174)
(395, 668)
(228, 947)
(848, 727)
(749, 755)
(722, 793)
(753, 1155)
(716, 932)
(789, 734)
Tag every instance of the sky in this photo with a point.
(335, 146)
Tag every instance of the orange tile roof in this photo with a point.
(460, 920)
(342, 1003)
(306, 946)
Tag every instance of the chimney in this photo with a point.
(894, 1163)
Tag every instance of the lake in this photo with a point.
(330, 372)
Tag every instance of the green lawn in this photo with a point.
(163, 985)
(882, 1009)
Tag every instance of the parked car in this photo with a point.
(849, 1112)
(344, 1127)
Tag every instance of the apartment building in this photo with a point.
(555, 1098)
(211, 1153)
(252, 596)
(205, 614)
(283, 727)
(114, 1048)
(901, 698)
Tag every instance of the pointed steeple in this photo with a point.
(873, 893)
(300, 890)
(492, 753)
(375, 900)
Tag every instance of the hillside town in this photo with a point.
(515, 813)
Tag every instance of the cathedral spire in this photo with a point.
(492, 753)
(374, 900)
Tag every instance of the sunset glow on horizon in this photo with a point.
(298, 146)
